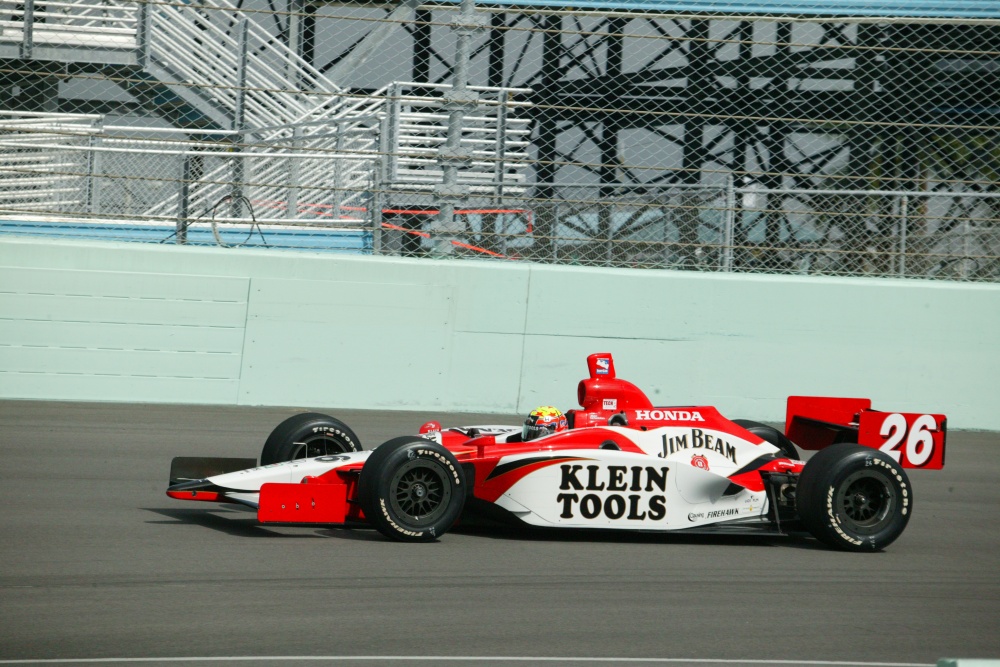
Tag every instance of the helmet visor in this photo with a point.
(532, 429)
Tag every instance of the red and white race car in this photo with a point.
(619, 462)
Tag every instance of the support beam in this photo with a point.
(548, 130)
(610, 156)
(363, 50)
(497, 46)
(421, 63)
(459, 101)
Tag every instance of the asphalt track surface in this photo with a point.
(97, 564)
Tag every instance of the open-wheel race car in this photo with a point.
(617, 463)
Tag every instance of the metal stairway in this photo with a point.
(208, 66)
(273, 128)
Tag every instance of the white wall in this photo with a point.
(131, 322)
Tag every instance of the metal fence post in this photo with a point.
(903, 224)
(338, 170)
(239, 117)
(292, 204)
(183, 201)
(91, 185)
(501, 146)
(729, 222)
(555, 226)
(392, 146)
(28, 30)
(142, 35)
(375, 210)
(381, 180)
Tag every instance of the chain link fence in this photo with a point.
(818, 138)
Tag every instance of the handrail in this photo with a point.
(201, 45)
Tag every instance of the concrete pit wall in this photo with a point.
(143, 323)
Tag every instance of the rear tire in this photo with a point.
(306, 435)
(772, 436)
(412, 489)
(854, 498)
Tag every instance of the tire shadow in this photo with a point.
(564, 535)
(240, 522)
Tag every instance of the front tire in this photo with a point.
(854, 498)
(412, 489)
(306, 435)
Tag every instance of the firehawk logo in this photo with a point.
(700, 461)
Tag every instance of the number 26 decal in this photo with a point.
(919, 438)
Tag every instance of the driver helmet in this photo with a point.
(543, 421)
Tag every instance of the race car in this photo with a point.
(617, 463)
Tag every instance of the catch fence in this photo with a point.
(812, 141)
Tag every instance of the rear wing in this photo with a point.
(915, 440)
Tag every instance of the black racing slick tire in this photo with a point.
(412, 489)
(771, 435)
(306, 435)
(854, 498)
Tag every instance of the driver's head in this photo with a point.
(542, 421)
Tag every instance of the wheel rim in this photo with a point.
(865, 502)
(419, 492)
(319, 445)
